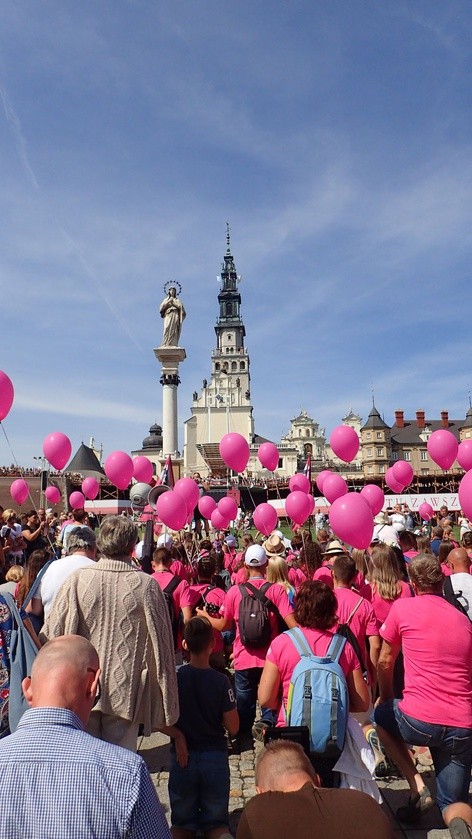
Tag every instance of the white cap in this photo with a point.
(255, 556)
(165, 541)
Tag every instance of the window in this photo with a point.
(380, 451)
(217, 365)
(394, 455)
(408, 456)
(242, 365)
(369, 452)
(281, 463)
(425, 471)
(370, 470)
(234, 366)
(368, 436)
(378, 435)
(424, 454)
(382, 469)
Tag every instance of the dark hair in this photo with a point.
(344, 569)
(407, 540)
(316, 605)
(437, 532)
(206, 566)
(311, 558)
(198, 635)
(402, 567)
(35, 562)
(162, 556)
(445, 549)
(423, 545)
(466, 540)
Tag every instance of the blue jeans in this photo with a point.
(450, 747)
(246, 683)
(199, 794)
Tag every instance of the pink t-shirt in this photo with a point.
(181, 596)
(436, 641)
(181, 570)
(382, 607)
(324, 575)
(230, 559)
(283, 653)
(239, 576)
(296, 577)
(244, 657)
(445, 569)
(215, 596)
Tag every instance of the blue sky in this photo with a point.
(335, 137)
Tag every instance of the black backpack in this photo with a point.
(453, 598)
(254, 615)
(168, 592)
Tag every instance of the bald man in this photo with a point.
(290, 802)
(460, 579)
(58, 781)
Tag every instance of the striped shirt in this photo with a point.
(58, 782)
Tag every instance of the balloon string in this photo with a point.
(20, 468)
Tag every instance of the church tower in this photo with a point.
(224, 403)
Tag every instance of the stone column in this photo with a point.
(170, 358)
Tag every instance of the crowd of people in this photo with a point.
(205, 645)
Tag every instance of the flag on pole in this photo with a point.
(166, 477)
(307, 469)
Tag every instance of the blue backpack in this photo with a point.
(318, 695)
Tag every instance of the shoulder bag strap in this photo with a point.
(336, 647)
(359, 602)
(36, 583)
(299, 641)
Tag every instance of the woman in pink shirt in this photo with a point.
(385, 582)
(315, 613)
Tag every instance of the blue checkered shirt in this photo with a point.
(58, 782)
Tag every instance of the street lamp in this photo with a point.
(43, 479)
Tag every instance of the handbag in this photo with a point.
(23, 652)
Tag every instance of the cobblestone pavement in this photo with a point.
(155, 751)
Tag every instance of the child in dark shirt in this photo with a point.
(199, 771)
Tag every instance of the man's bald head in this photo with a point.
(283, 767)
(65, 674)
(459, 561)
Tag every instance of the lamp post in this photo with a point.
(42, 479)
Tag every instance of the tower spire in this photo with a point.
(228, 238)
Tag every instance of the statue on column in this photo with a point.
(173, 313)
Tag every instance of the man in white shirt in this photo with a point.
(82, 546)
(397, 519)
(461, 579)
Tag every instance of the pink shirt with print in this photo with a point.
(436, 641)
(216, 597)
(244, 658)
(283, 653)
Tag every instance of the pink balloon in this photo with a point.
(188, 489)
(464, 455)
(143, 469)
(172, 509)
(320, 479)
(265, 518)
(442, 447)
(228, 508)
(374, 497)
(268, 455)
(218, 521)
(119, 469)
(299, 482)
(90, 487)
(19, 491)
(344, 442)
(352, 521)
(392, 482)
(52, 494)
(465, 494)
(57, 449)
(333, 487)
(7, 394)
(426, 511)
(77, 500)
(234, 450)
(206, 506)
(403, 472)
(297, 506)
